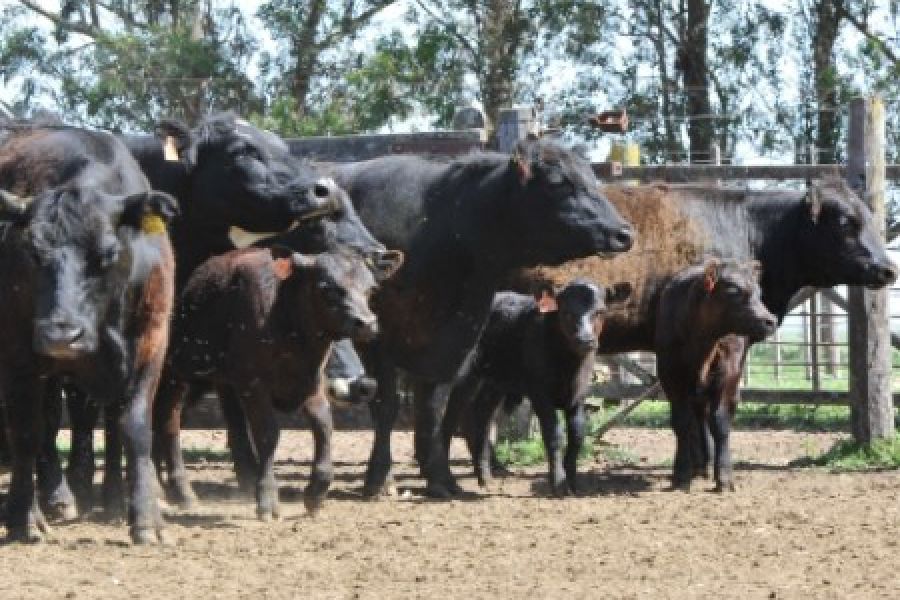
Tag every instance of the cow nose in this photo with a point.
(320, 190)
(58, 338)
(885, 275)
(623, 239)
(770, 323)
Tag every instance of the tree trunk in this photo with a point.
(827, 23)
(502, 29)
(693, 66)
(306, 53)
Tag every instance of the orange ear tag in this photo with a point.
(153, 224)
(547, 303)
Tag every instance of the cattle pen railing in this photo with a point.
(840, 341)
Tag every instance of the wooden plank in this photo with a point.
(350, 148)
(691, 173)
(625, 410)
(824, 397)
(868, 315)
(622, 360)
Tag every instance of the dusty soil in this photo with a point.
(786, 533)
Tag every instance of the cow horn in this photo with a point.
(12, 204)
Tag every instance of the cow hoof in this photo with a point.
(438, 491)
(63, 512)
(681, 486)
(724, 486)
(30, 534)
(499, 470)
(375, 491)
(267, 514)
(487, 483)
(143, 536)
(313, 503)
(181, 495)
(701, 473)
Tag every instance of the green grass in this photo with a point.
(655, 414)
(847, 455)
(521, 453)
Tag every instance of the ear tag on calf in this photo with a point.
(170, 152)
(547, 303)
(282, 268)
(152, 224)
(709, 283)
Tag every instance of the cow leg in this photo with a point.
(384, 413)
(25, 422)
(682, 424)
(434, 460)
(485, 405)
(246, 465)
(551, 434)
(575, 422)
(56, 497)
(167, 453)
(458, 404)
(700, 441)
(113, 488)
(83, 414)
(144, 518)
(720, 427)
(319, 411)
(260, 414)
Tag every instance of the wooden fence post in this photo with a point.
(514, 124)
(868, 330)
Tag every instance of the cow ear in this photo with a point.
(178, 142)
(14, 209)
(521, 163)
(384, 264)
(814, 202)
(546, 302)
(711, 275)
(149, 211)
(618, 292)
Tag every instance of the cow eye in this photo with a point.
(847, 223)
(733, 290)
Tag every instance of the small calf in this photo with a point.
(259, 323)
(543, 349)
(698, 309)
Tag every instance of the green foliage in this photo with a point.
(521, 452)
(847, 455)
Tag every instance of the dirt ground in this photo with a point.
(785, 533)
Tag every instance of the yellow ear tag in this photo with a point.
(170, 152)
(152, 224)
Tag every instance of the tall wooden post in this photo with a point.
(514, 124)
(868, 331)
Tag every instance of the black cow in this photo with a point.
(540, 348)
(697, 308)
(90, 285)
(820, 237)
(259, 324)
(463, 225)
(230, 178)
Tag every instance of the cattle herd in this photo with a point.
(142, 271)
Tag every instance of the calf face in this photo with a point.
(560, 208)
(338, 286)
(730, 301)
(81, 246)
(582, 305)
(841, 226)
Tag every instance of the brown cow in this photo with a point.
(259, 323)
(697, 308)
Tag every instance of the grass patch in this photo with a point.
(801, 417)
(206, 454)
(847, 455)
(521, 453)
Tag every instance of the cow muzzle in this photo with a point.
(60, 339)
(881, 275)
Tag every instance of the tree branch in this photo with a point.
(56, 19)
(867, 33)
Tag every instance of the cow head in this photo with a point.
(83, 248)
(243, 176)
(558, 207)
(840, 240)
(343, 229)
(728, 301)
(335, 287)
(581, 306)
